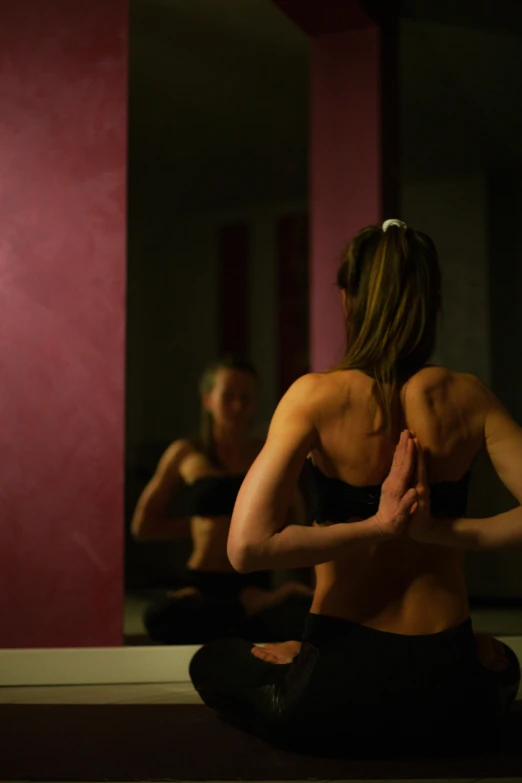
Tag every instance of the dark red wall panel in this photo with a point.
(346, 170)
(63, 93)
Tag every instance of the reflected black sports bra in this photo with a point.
(212, 496)
(333, 500)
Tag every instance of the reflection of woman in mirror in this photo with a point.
(215, 600)
(388, 652)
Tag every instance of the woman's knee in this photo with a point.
(513, 667)
(197, 666)
(495, 655)
(506, 679)
(225, 663)
(209, 673)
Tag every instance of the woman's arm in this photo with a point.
(503, 531)
(151, 521)
(259, 537)
(503, 441)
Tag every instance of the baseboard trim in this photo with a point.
(95, 666)
(112, 665)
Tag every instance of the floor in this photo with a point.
(148, 694)
(166, 693)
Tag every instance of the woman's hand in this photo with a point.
(398, 498)
(283, 652)
(422, 521)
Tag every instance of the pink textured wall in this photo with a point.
(63, 93)
(345, 160)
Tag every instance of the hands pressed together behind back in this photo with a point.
(404, 508)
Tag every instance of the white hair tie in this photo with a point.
(388, 223)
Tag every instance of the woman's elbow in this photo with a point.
(137, 532)
(244, 558)
(139, 528)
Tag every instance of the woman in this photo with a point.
(388, 651)
(215, 600)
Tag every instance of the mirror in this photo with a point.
(218, 224)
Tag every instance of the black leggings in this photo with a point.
(216, 612)
(352, 684)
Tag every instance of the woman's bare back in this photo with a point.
(399, 586)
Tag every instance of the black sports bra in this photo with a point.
(212, 496)
(333, 500)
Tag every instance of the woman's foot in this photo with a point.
(183, 592)
(283, 652)
(289, 589)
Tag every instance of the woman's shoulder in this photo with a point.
(326, 382)
(323, 394)
(308, 391)
(173, 458)
(179, 450)
(331, 385)
(451, 398)
(436, 378)
(431, 380)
